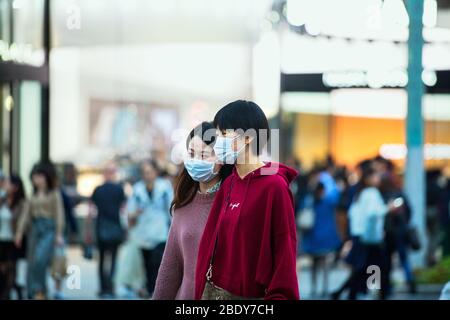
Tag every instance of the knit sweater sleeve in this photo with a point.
(170, 274)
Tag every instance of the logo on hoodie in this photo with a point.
(234, 205)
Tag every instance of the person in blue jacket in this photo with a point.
(323, 238)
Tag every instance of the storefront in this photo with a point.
(24, 75)
(353, 122)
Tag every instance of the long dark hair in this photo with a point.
(19, 195)
(185, 186)
(48, 170)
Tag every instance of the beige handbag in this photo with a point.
(59, 263)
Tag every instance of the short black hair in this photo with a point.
(244, 115)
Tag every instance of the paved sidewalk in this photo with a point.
(89, 281)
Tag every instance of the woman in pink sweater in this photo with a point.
(195, 189)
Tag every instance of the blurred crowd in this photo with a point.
(363, 218)
(35, 231)
(360, 217)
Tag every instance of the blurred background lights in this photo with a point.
(297, 12)
(437, 151)
(395, 14)
(9, 103)
(430, 13)
(17, 4)
(429, 78)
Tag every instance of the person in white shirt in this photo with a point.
(148, 210)
(366, 215)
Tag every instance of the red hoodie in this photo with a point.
(256, 247)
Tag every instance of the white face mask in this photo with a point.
(200, 170)
(223, 148)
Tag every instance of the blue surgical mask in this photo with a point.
(200, 170)
(223, 148)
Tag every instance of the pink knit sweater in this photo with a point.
(177, 271)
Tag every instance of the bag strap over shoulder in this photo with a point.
(211, 261)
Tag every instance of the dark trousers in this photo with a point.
(368, 255)
(107, 266)
(376, 256)
(317, 262)
(152, 260)
(7, 268)
(397, 243)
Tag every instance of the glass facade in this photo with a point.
(22, 59)
(21, 31)
(5, 21)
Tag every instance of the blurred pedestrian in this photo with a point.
(299, 185)
(248, 248)
(44, 213)
(70, 232)
(148, 211)
(109, 199)
(12, 197)
(130, 276)
(434, 194)
(445, 293)
(445, 218)
(323, 238)
(343, 182)
(396, 231)
(195, 189)
(16, 200)
(366, 214)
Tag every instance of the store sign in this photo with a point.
(21, 53)
(356, 18)
(374, 79)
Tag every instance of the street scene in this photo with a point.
(89, 283)
(225, 149)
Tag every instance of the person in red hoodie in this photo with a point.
(248, 248)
